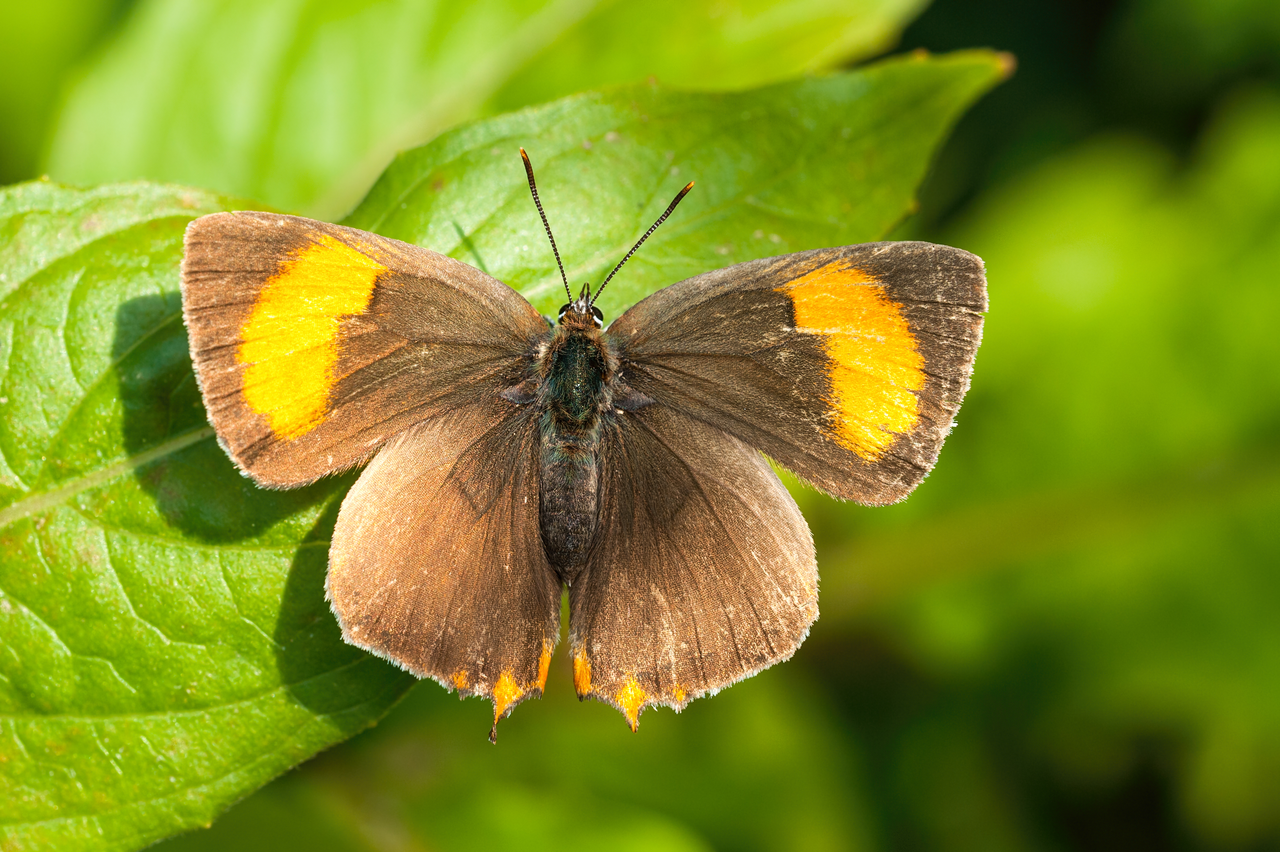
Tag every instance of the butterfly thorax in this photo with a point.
(575, 373)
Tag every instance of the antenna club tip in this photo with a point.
(523, 155)
(688, 186)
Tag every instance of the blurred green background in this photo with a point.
(1069, 637)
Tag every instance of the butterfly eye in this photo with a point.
(563, 311)
(598, 316)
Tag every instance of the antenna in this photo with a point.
(652, 228)
(533, 187)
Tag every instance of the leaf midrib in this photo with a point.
(195, 711)
(41, 501)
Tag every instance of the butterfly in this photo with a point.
(508, 457)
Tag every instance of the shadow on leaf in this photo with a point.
(199, 491)
(323, 673)
(196, 488)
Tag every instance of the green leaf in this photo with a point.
(167, 645)
(822, 162)
(301, 104)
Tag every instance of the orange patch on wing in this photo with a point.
(289, 343)
(875, 364)
(460, 679)
(631, 698)
(505, 693)
(581, 673)
(680, 694)
(544, 666)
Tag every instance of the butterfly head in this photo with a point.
(580, 312)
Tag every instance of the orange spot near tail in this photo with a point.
(581, 674)
(506, 693)
(544, 666)
(631, 699)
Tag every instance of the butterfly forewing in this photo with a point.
(314, 343)
(845, 365)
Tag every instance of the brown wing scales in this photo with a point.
(314, 344)
(318, 346)
(702, 571)
(845, 365)
(436, 562)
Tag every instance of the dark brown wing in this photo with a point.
(845, 365)
(314, 344)
(436, 562)
(702, 571)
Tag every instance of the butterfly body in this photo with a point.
(576, 372)
(505, 460)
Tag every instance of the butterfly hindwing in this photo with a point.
(845, 365)
(436, 561)
(702, 571)
(314, 343)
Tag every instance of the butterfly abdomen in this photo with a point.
(575, 372)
